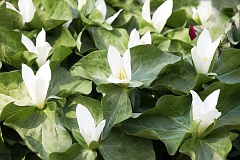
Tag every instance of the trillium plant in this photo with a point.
(117, 79)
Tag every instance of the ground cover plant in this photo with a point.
(119, 79)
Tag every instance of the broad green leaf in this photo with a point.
(177, 19)
(12, 88)
(10, 19)
(59, 54)
(62, 37)
(41, 20)
(121, 146)
(227, 66)
(56, 11)
(169, 122)
(180, 78)
(95, 65)
(41, 130)
(63, 84)
(147, 61)
(116, 106)
(214, 146)
(180, 34)
(5, 153)
(74, 152)
(103, 38)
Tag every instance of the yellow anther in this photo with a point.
(122, 74)
(205, 59)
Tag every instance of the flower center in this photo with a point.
(205, 59)
(122, 74)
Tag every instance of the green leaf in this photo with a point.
(103, 38)
(147, 61)
(41, 130)
(121, 146)
(180, 78)
(10, 19)
(63, 84)
(58, 55)
(41, 20)
(116, 106)
(95, 65)
(177, 19)
(74, 152)
(227, 66)
(169, 122)
(5, 153)
(12, 89)
(62, 37)
(56, 11)
(214, 146)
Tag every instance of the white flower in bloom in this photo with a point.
(26, 9)
(160, 16)
(81, 3)
(203, 53)
(101, 6)
(88, 128)
(205, 111)
(120, 66)
(41, 49)
(37, 85)
(134, 39)
(204, 10)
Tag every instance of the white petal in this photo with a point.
(207, 120)
(127, 64)
(41, 88)
(203, 43)
(29, 80)
(81, 3)
(162, 13)
(28, 43)
(114, 80)
(159, 25)
(86, 136)
(204, 10)
(200, 65)
(101, 6)
(43, 52)
(114, 61)
(210, 102)
(41, 38)
(85, 119)
(197, 108)
(44, 72)
(10, 6)
(212, 47)
(146, 11)
(27, 9)
(133, 38)
(67, 24)
(146, 38)
(98, 130)
(112, 18)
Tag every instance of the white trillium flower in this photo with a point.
(26, 9)
(134, 39)
(41, 49)
(37, 85)
(120, 66)
(88, 128)
(160, 16)
(101, 6)
(205, 111)
(203, 53)
(204, 10)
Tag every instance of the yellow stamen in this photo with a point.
(122, 75)
(205, 59)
